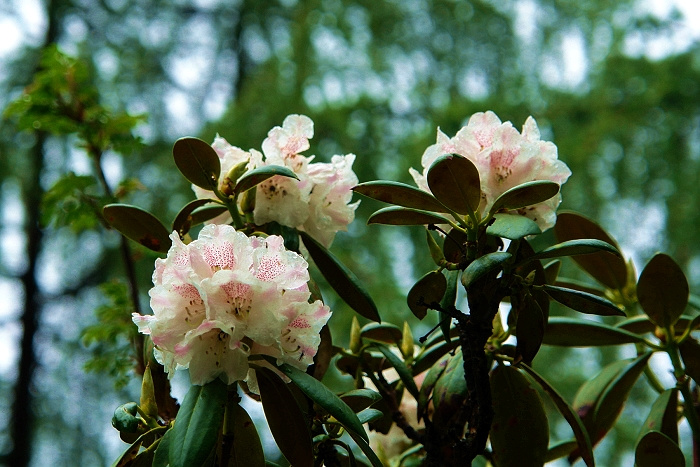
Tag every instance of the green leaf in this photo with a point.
(286, 420)
(454, 246)
(524, 195)
(530, 328)
(690, 353)
(207, 213)
(600, 400)
(360, 399)
(656, 449)
(662, 290)
(582, 301)
(323, 396)
(197, 425)
(449, 394)
(551, 271)
(400, 194)
(520, 431)
(426, 388)
(184, 219)
(198, 162)
(663, 416)
(483, 265)
(606, 269)
(383, 332)
(512, 226)
(138, 225)
(582, 440)
(432, 354)
(560, 449)
(259, 175)
(576, 247)
(428, 290)
(568, 332)
(369, 415)
(454, 181)
(394, 215)
(448, 302)
(160, 459)
(246, 449)
(400, 367)
(344, 282)
(366, 449)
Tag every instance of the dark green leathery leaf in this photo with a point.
(520, 431)
(360, 399)
(583, 302)
(400, 367)
(344, 282)
(583, 442)
(512, 226)
(576, 248)
(286, 420)
(138, 225)
(662, 290)
(323, 397)
(454, 181)
(610, 271)
(198, 162)
(663, 416)
(184, 219)
(400, 194)
(194, 435)
(246, 449)
(656, 449)
(490, 262)
(394, 215)
(526, 194)
(383, 332)
(600, 400)
(570, 332)
(259, 175)
(530, 329)
(428, 290)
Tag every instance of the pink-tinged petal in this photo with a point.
(143, 322)
(289, 140)
(504, 158)
(283, 200)
(329, 203)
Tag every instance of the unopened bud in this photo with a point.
(228, 183)
(355, 338)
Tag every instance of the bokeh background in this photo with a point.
(615, 84)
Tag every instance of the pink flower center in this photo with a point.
(220, 256)
(269, 268)
(239, 296)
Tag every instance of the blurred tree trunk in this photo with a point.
(22, 417)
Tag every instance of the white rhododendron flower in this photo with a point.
(226, 296)
(318, 203)
(504, 158)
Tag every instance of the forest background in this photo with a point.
(615, 85)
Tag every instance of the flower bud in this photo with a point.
(355, 339)
(228, 183)
(435, 250)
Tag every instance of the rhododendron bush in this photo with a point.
(233, 303)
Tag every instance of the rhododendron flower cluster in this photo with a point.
(318, 203)
(504, 158)
(224, 297)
